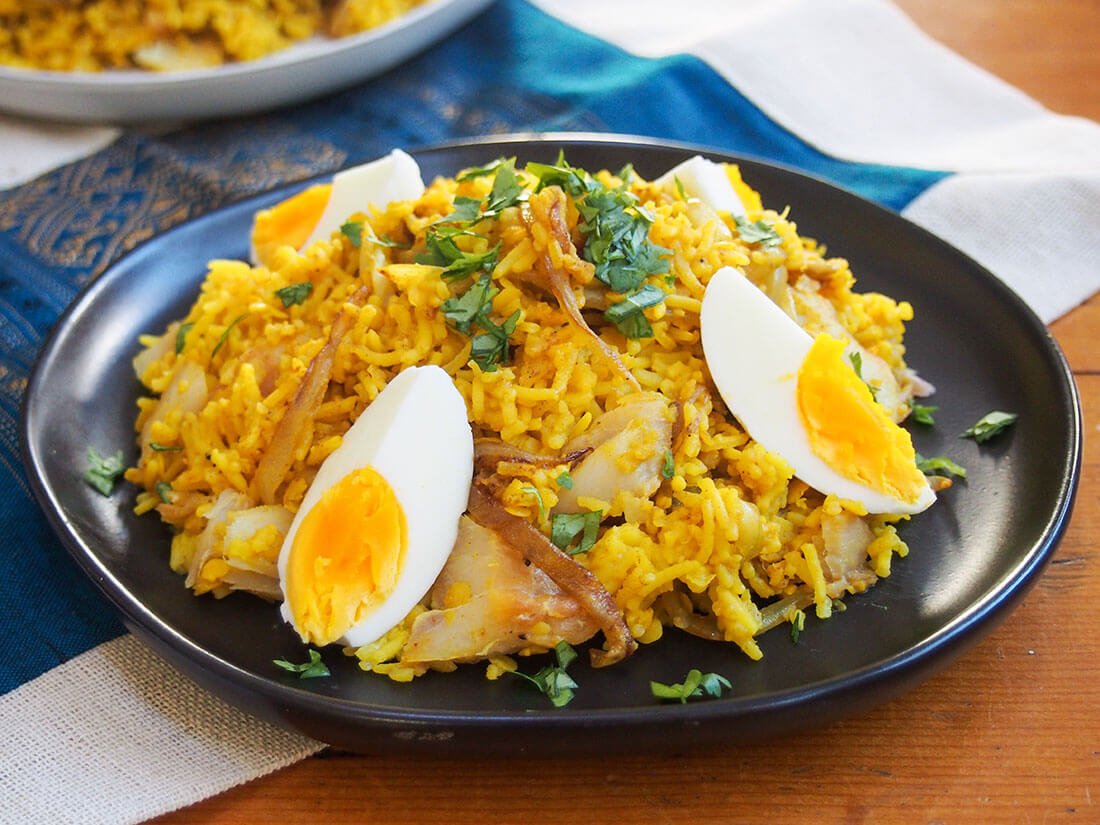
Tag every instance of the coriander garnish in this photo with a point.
(312, 669)
(989, 425)
(553, 681)
(103, 471)
(294, 294)
(564, 527)
(695, 684)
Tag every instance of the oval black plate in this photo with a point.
(974, 554)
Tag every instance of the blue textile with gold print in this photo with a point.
(498, 74)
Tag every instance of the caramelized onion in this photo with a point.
(294, 427)
(571, 577)
(558, 280)
(488, 452)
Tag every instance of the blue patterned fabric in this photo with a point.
(503, 72)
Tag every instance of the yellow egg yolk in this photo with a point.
(289, 223)
(849, 430)
(346, 556)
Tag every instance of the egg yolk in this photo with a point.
(289, 223)
(346, 557)
(849, 430)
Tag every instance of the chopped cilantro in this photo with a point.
(441, 250)
(481, 171)
(564, 527)
(181, 335)
(225, 335)
(798, 624)
(922, 414)
(857, 365)
(757, 232)
(565, 480)
(533, 491)
(506, 191)
(490, 348)
(294, 294)
(552, 680)
(466, 210)
(615, 226)
(680, 188)
(164, 448)
(668, 469)
(353, 231)
(471, 306)
(163, 488)
(939, 466)
(103, 471)
(695, 684)
(307, 670)
(628, 314)
(386, 240)
(990, 425)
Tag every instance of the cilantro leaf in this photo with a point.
(989, 425)
(565, 480)
(939, 465)
(353, 231)
(757, 232)
(294, 294)
(668, 469)
(628, 314)
(471, 306)
(164, 448)
(181, 335)
(441, 250)
(103, 471)
(857, 365)
(225, 335)
(798, 624)
(553, 681)
(480, 171)
(680, 188)
(466, 210)
(506, 191)
(695, 684)
(922, 414)
(163, 488)
(533, 491)
(490, 349)
(564, 527)
(312, 669)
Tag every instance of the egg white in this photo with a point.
(416, 435)
(394, 177)
(754, 351)
(706, 180)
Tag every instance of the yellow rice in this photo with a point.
(730, 531)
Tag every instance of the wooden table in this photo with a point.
(1008, 734)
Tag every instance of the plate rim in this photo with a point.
(945, 644)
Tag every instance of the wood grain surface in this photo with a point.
(1008, 734)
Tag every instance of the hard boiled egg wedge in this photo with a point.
(706, 180)
(381, 516)
(800, 398)
(320, 210)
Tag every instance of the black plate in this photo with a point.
(973, 555)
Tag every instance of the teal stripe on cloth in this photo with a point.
(512, 69)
